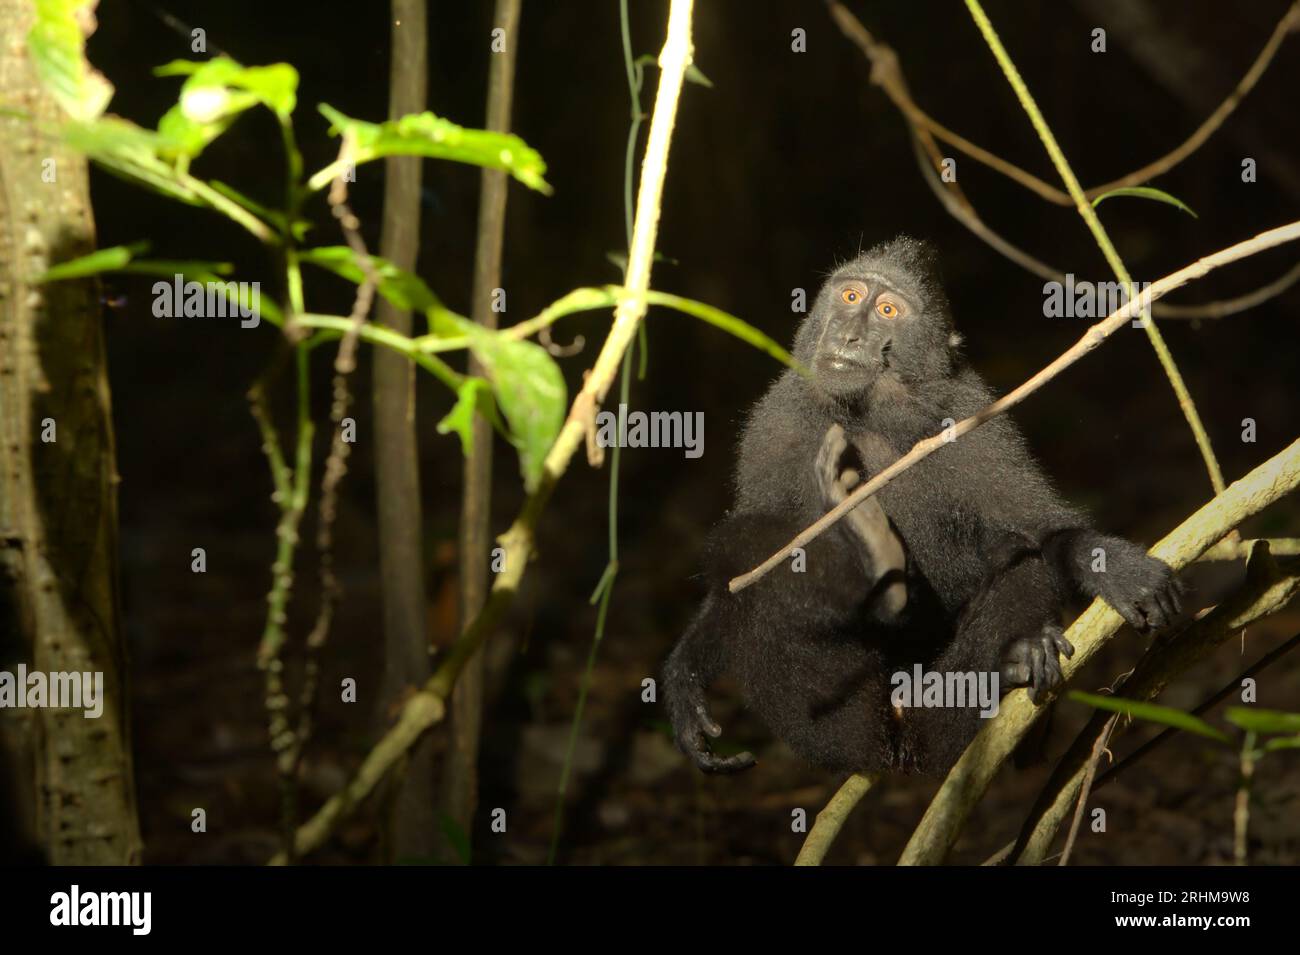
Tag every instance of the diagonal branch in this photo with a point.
(831, 819)
(974, 771)
(1267, 590)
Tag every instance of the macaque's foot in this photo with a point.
(1033, 661)
(1143, 590)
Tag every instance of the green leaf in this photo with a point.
(1153, 713)
(101, 260)
(1146, 192)
(1263, 721)
(122, 258)
(404, 289)
(131, 152)
(728, 323)
(460, 419)
(209, 274)
(1282, 742)
(190, 269)
(57, 45)
(181, 134)
(589, 299)
(694, 75)
(424, 134)
(529, 389)
(215, 93)
(274, 86)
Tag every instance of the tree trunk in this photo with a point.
(58, 477)
(397, 470)
(460, 775)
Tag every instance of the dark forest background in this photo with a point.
(788, 162)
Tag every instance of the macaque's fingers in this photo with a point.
(711, 763)
(1063, 646)
(828, 465)
(706, 723)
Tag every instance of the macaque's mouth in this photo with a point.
(857, 360)
(843, 363)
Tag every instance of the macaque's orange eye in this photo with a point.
(887, 310)
(851, 296)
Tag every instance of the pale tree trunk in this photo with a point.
(397, 472)
(58, 479)
(460, 775)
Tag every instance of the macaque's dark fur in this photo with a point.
(993, 553)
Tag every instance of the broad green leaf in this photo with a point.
(1263, 721)
(182, 133)
(1153, 713)
(274, 86)
(1282, 742)
(404, 289)
(129, 151)
(215, 93)
(444, 323)
(101, 260)
(1146, 192)
(529, 390)
(460, 419)
(424, 134)
(57, 42)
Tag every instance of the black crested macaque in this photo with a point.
(963, 563)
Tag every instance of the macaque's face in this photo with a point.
(874, 318)
(862, 322)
